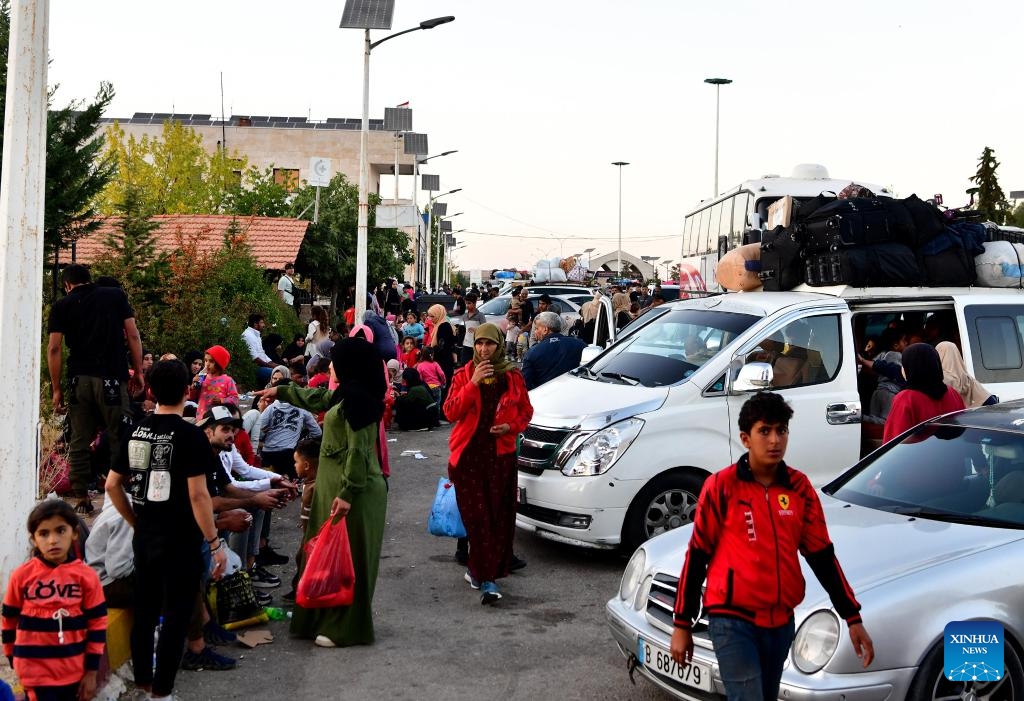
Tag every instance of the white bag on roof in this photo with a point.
(1001, 265)
(548, 271)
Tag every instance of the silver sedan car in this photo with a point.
(929, 530)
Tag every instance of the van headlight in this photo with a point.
(816, 641)
(598, 452)
(633, 575)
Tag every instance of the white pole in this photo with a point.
(415, 205)
(22, 190)
(718, 91)
(364, 204)
(428, 243)
(619, 254)
(397, 139)
(440, 256)
(316, 206)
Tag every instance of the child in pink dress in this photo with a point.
(431, 373)
(214, 383)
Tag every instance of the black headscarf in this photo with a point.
(361, 383)
(411, 377)
(270, 344)
(923, 369)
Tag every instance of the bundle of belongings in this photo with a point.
(857, 239)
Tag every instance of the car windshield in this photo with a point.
(669, 348)
(945, 473)
(495, 307)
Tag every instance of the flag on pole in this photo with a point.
(404, 104)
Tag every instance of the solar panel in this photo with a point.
(142, 115)
(162, 115)
(440, 209)
(416, 144)
(201, 116)
(297, 120)
(446, 226)
(431, 183)
(367, 14)
(397, 119)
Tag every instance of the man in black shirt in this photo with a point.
(95, 321)
(164, 464)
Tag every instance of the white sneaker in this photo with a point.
(323, 641)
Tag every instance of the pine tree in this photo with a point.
(991, 200)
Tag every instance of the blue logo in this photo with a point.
(973, 651)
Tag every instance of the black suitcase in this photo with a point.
(879, 265)
(858, 221)
(928, 219)
(782, 264)
(953, 267)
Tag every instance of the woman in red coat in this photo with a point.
(926, 395)
(490, 407)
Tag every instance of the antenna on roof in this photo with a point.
(223, 129)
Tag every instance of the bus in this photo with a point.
(720, 224)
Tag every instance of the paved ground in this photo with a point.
(546, 638)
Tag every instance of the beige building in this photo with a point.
(287, 144)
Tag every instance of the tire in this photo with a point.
(931, 684)
(665, 503)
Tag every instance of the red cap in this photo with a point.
(220, 355)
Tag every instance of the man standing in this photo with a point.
(553, 354)
(393, 299)
(752, 518)
(286, 285)
(95, 321)
(254, 342)
(164, 463)
(470, 320)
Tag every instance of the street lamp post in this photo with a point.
(440, 242)
(430, 220)
(619, 259)
(362, 226)
(718, 83)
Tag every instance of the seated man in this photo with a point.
(553, 354)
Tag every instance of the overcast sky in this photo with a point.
(539, 97)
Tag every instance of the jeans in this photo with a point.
(750, 658)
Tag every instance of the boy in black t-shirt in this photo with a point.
(163, 464)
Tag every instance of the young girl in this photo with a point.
(431, 373)
(512, 332)
(54, 610)
(413, 328)
(410, 356)
(215, 382)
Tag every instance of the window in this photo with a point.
(995, 335)
(739, 215)
(804, 352)
(288, 178)
(705, 227)
(688, 247)
(713, 228)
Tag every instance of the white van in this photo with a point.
(618, 449)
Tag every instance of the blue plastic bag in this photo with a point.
(445, 519)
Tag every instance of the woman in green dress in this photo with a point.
(349, 483)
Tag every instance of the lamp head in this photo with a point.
(431, 23)
(619, 163)
(717, 81)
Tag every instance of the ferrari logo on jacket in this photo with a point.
(784, 501)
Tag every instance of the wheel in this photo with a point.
(930, 682)
(666, 502)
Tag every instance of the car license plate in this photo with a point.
(660, 662)
(520, 495)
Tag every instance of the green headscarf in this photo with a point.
(499, 362)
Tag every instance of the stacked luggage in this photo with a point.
(870, 241)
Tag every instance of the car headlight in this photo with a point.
(596, 454)
(816, 641)
(641, 593)
(633, 575)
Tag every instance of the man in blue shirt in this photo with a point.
(553, 355)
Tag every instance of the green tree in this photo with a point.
(991, 200)
(1016, 217)
(75, 168)
(328, 253)
(173, 173)
(260, 195)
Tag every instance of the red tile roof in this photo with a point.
(274, 241)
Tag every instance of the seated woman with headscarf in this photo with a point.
(926, 395)
(416, 409)
(349, 483)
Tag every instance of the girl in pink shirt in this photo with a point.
(213, 383)
(431, 372)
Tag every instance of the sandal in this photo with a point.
(84, 507)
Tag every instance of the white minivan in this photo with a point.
(618, 448)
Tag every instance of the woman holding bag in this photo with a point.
(489, 405)
(349, 483)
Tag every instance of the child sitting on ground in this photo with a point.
(55, 643)
(410, 356)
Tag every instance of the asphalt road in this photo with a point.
(545, 639)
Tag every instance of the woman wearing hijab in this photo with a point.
(442, 340)
(271, 345)
(954, 374)
(620, 309)
(415, 410)
(489, 405)
(349, 483)
(926, 395)
(588, 314)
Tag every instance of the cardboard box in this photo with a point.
(780, 212)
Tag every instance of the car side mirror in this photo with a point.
(753, 377)
(589, 353)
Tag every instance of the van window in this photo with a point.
(670, 347)
(995, 333)
(804, 352)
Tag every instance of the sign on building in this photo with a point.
(319, 174)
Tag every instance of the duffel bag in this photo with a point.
(782, 264)
(999, 265)
(952, 267)
(880, 265)
(928, 220)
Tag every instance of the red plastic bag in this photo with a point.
(329, 578)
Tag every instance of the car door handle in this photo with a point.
(845, 413)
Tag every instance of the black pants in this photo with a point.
(167, 575)
(280, 461)
(53, 693)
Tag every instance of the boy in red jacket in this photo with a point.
(752, 519)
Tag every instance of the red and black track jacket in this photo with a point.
(745, 541)
(54, 622)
